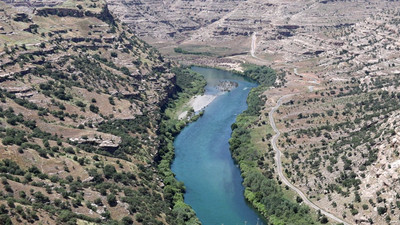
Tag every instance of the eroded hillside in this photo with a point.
(80, 107)
(338, 123)
(286, 30)
(85, 81)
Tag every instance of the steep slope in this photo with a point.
(224, 27)
(170, 20)
(80, 107)
(339, 134)
(219, 19)
(338, 124)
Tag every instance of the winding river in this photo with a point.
(203, 160)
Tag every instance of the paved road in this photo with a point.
(279, 165)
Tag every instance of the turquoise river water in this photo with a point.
(203, 160)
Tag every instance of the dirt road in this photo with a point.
(253, 45)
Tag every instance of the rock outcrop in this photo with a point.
(227, 85)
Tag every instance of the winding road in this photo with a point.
(279, 165)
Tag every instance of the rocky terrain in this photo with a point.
(226, 85)
(287, 30)
(341, 62)
(339, 121)
(80, 113)
(349, 121)
(337, 60)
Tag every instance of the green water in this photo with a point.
(203, 160)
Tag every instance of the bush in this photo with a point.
(324, 220)
(66, 216)
(5, 219)
(69, 150)
(111, 100)
(112, 200)
(382, 210)
(80, 104)
(98, 202)
(127, 220)
(109, 171)
(94, 108)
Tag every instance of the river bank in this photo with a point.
(197, 103)
(200, 102)
(203, 160)
(189, 84)
(261, 190)
(256, 159)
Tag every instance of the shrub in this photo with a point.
(80, 104)
(112, 200)
(94, 108)
(127, 220)
(98, 202)
(109, 171)
(5, 219)
(382, 210)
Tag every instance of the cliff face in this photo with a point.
(80, 106)
(210, 21)
(221, 33)
(170, 19)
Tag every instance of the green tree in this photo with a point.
(112, 200)
(109, 171)
(94, 108)
(127, 220)
(382, 210)
(5, 219)
(324, 220)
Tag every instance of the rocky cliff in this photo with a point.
(221, 21)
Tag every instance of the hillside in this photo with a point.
(80, 111)
(340, 134)
(338, 123)
(338, 120)
(81, 97)
(286, 31)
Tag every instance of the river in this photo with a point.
(203, 160)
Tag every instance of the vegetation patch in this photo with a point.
(182, 51)
(189, 84)
(261, 188)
